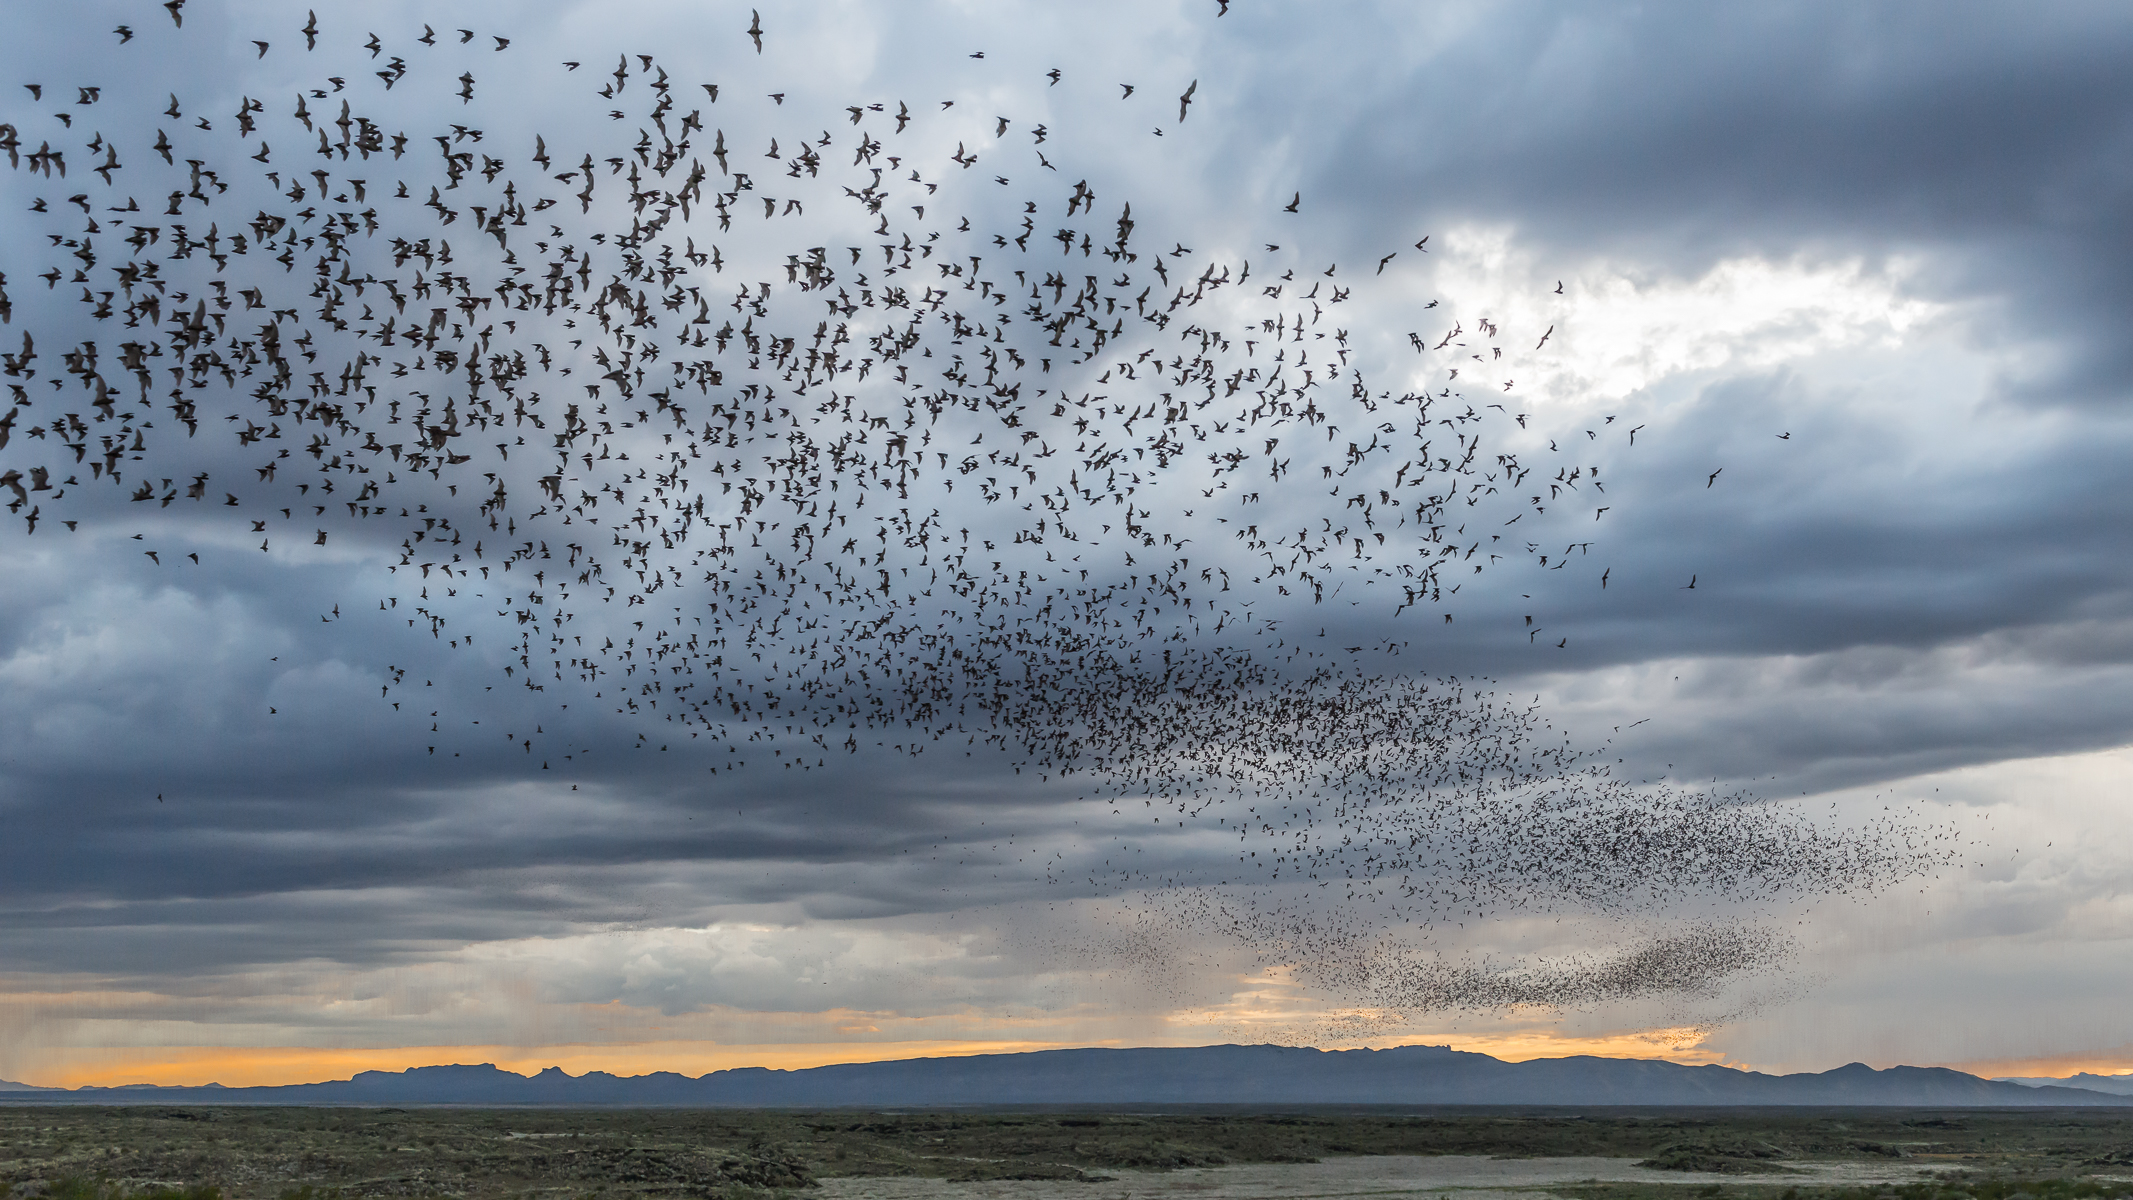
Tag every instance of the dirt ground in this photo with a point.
(1390, 1177)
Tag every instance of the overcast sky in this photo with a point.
(1869, 264)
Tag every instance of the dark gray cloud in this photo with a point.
(1986, 138)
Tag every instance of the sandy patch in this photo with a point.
(1390, 1177)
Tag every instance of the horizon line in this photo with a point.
(988, 1050)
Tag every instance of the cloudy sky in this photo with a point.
(1869, 264)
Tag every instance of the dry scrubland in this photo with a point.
(148, 1153)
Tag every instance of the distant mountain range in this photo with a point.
(1247, 1075)
(2118, 1085)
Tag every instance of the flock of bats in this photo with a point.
(793, 435)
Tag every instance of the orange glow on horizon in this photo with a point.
(268, 1066)
(2116, 1061)
(1683, 1046)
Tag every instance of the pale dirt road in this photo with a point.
(1434, 1177)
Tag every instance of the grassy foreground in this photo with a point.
(147, 1153)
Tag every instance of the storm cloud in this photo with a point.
(1857, 277)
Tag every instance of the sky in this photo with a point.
(1857, 277)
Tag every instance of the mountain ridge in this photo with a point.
(1227, 1074)
(2120, 1085)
